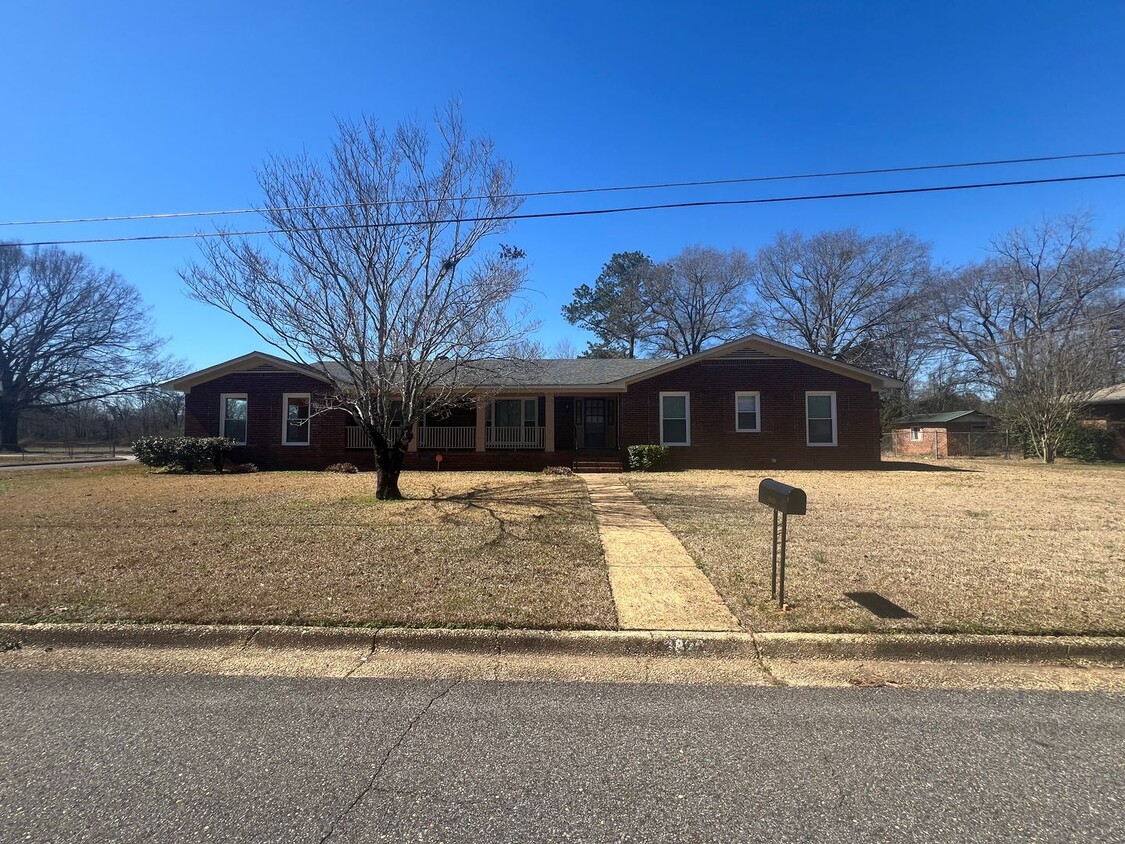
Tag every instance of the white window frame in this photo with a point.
(687, 419)
(757, 429)
(223, 415)
(832, 395)
(916, 435)
(285, 418)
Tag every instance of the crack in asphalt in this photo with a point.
(370, 785)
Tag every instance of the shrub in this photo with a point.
(342, 468)
(1087, 443)
(189, 454)
(243, 468)
(646, 458)
(558, 470)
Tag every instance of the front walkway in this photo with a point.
(656, 584)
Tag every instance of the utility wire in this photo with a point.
(589, 212)
(577, 191)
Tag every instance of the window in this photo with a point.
(513, 413)
(916, 434)
(746, 415)
(820, 418)
(675, 419)
(232, 417)
(295, 425)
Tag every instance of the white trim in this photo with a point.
(757, 429)
(916, 435)
(223, 415)
(832, 395)
(240, 365)
(285, 418)
(687, 418)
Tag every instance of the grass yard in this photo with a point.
(125, 543)
(974, 546)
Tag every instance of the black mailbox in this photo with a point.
(782, 497)
(788, 501)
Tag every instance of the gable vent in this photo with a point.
(266, 367)
(747, 354)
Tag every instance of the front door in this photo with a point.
(594, 423)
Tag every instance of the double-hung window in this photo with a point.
(916, 434)
(295, 422)
(233, 414)
(747, 412)
(675, 418)
(820, 418)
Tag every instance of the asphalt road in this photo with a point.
(100, 757)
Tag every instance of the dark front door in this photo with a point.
(594, 423)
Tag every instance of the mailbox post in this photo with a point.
(788, 501)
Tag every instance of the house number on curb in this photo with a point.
(788, 501)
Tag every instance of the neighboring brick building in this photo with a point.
(955, 433)
(749, 403)
(1107, 410)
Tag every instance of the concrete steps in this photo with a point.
(597, 466)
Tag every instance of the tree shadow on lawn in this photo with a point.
(896, 466)
(495, 500)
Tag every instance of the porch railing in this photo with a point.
(452, 437)
(514, 437)
(357, 437)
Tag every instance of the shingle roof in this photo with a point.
(560, 372)
(936, 418)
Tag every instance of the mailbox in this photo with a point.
(788, 501)
(782, 497)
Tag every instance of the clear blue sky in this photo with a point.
(120, 108)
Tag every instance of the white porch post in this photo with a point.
(481, 431)
(414, 439)
(549, 423)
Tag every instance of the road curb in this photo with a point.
(903, 647)
(941, 647)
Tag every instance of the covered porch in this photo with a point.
(546, 422)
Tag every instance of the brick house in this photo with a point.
(948, 434)
(1106, 410)
(748, 403)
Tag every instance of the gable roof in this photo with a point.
(591, 373)
(922, 419)
(260, 361)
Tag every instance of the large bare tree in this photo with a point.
(377, 275)
(698, 298)
(1038, 324)
(848, 296)
(70, 332)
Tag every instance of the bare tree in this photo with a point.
(69, 332)
(377, 278)
(698, 298)
(1035, 323)
(848, 296)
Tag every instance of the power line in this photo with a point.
(577, 191)
(589, 212)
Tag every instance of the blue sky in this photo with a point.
(124, 108)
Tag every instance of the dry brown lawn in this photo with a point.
(978, 546)
(103, 544)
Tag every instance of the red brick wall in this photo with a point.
(781, 441)
(925, 447)
(263, 421)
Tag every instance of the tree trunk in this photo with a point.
(9, 428)
(388, 466)
(1048, 451)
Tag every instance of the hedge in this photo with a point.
(189, 454)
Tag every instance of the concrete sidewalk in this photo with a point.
(656, 584)
(716, 658)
